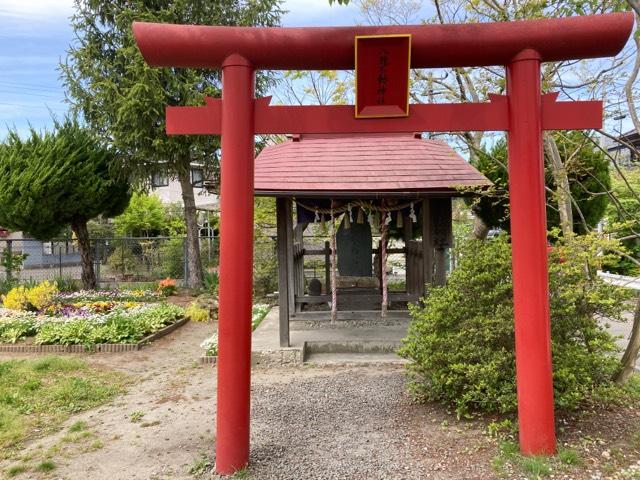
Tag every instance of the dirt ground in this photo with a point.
(327, 422)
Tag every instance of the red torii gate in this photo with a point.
(524, 113)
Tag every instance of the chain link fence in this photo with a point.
(123, 261)
(116, 260)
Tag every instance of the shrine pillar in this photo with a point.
(529, 248)
(236, 265)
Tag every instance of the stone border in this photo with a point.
(99, 348)
(208, 359)
(280, 357)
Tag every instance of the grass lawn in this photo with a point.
(36, 396)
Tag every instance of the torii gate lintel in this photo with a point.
(435, 117)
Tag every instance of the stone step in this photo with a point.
(354, 359)
(351, 346)
(351, 315)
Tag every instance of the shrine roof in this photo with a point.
(363, 166)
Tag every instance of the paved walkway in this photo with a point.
(358, 340)
(620, 280)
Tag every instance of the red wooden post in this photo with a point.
(236, 270)
(530, 274)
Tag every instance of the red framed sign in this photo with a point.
(382, 75)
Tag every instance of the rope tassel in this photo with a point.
(360, 218)
(412, 214)
(400, 223)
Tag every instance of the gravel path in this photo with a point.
(354, 423)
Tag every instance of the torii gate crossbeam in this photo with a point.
(524, 113)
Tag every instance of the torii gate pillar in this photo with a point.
(236, 266)
(529, 256)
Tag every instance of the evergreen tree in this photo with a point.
(124, 99)
(57, 179)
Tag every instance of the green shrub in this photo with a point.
(172, 258)
(123, 261)
(209, 252)
(6, 285)
(67, 284)
(461, 341)
(211, 282)
(197, 313)
(265, 267)
(143, 217)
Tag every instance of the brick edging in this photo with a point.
(98, 348)
(207, 359)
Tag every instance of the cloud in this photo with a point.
(303, 13)
(36, 9)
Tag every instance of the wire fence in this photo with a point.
(116, 260)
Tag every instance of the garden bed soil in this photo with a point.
(29, 347)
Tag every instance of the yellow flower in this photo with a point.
(41, 296)
(17, 299)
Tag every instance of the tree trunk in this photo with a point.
(79, 227)
(193, 242)
(628, 362)
(563, 192)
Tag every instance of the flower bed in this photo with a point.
(43, 316)
(110, 295)
(87, 324)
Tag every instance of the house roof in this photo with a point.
(363, 166)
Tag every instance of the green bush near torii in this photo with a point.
(461, 340)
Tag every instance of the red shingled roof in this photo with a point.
(316, 165)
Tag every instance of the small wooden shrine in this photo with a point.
(394, 184)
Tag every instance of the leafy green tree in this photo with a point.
(174, 220)
(623, 218)
(144, 217)
(124, 100)
(57, 179)
(587, 170)
(147, 216)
